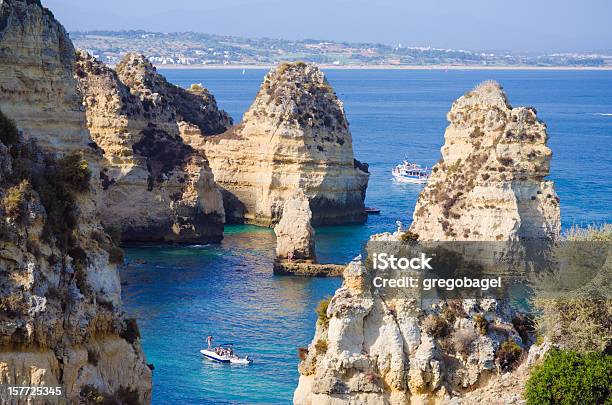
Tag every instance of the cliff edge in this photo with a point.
(61, 320)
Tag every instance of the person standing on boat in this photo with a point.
(209, 340)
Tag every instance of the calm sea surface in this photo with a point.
(180, 295)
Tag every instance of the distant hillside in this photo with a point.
(187, 48)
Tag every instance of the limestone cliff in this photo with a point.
(61, 321)
(371, 347)
(489, 184)
(36, 84)
(154, 186)
(295, 136)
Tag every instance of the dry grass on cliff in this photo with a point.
(582, 319)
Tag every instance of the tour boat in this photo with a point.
(409, 172)
(372, 210)
(225, 354)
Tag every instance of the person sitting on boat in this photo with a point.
(209, 340)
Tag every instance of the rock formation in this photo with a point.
(61, 321)
(489, 184)
(371, 347)
(294, 233)
(154, 186)
(295, 136)
(36, 84)
(369, 350)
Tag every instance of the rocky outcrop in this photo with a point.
(369, 349)
(154, 186)
(307, 269)
(295, 136)
(61, 321)
(295, 242)
(489, 184)
(373, 346)
(36, 85)
(295, 236)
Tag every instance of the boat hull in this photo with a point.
(415, 180)
(214, 356)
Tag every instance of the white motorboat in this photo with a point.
(225, 354)
(409, 172)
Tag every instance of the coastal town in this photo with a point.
(191, 48)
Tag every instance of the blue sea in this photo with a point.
(182, 294)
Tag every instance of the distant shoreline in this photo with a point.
(391, 67)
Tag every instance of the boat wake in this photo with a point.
(602, 114)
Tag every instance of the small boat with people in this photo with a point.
(223, 353)
(409, 172)
(372, 210)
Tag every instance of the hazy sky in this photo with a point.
(520, 25)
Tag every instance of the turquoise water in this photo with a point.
(180, 295)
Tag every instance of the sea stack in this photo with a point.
(61, 319)
(295, 236)
(295, 136)
(372, 348)
(154, 186)
(490, 183)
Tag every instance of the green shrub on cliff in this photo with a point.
(74, 171)
(568, 377)
(16, 199)
(8, 131)
(409, 237)
(508, 354)
(321, 311)
(59, 204)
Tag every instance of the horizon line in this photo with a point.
(607, 52)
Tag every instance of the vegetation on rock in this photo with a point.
(580, 321)
(15, 200)
(436, 326)
(130, 333)
(74, 171)
(568, 377)
(321, 346)
(508, 354)
(481, 323)
(321, 311)
(409, 237)
(8, 131)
